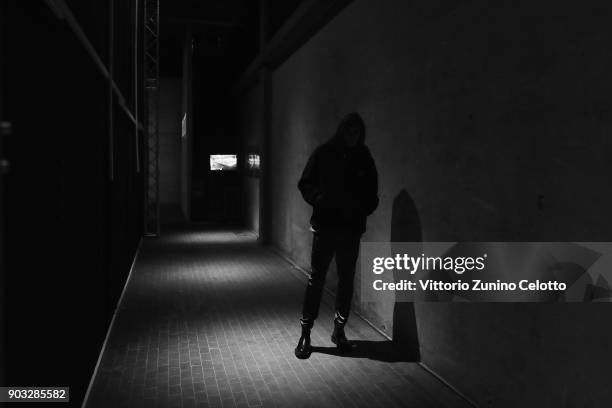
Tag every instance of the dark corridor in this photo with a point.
(155, 244)
(208, 319)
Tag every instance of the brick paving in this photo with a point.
(210, 319)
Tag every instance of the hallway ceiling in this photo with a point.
(225, 30)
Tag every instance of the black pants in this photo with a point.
(326, 244)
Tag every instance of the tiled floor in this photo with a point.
(210, 319)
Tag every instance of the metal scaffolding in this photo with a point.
(151, 115)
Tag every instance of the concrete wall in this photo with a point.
(487, 123)
(169, 140)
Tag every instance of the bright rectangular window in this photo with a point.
(223, 162)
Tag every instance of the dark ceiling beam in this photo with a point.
(306, 21)
(203, 22)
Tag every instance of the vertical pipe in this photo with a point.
(111, 145)
(264, 78)
(136, 130)
(187, 101)
(3, 167)
(145, 121)
(157, 221)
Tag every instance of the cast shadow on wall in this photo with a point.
(405, 227)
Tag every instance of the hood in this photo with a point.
(351, 119)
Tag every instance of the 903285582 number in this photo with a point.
(16, 394)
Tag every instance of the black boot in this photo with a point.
(303, 349)
(339, 338)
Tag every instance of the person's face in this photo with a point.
(352, 135)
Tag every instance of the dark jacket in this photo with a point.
(341, 184)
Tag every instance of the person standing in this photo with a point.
(340, 182)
